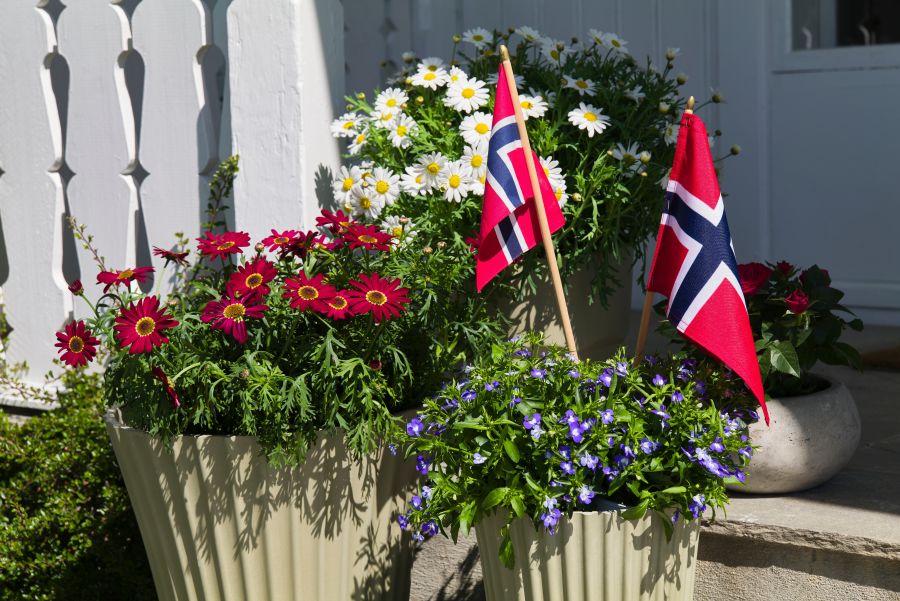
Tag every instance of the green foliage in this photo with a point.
(537, 434)
(67, 531)
(608, 183)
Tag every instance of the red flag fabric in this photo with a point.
(509, 223)
(694, 263)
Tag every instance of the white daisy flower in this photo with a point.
(457, 74)
(413, 181)
(358, 142)
(582, 86)
(432, 63)
(588, 117)
(670, 135)
(636, 94)
(529, 34)
(401, 228)
(478, 37)
(408, 56)
(626, 155)
(614, 42)
(466, 95)
(551, 168)
(555, 51)
(456, 181)
(476, 128)
(364, 203)
(664, 180)
(392, 99)
(476, 158)
(532, 106)
(386, 118)
(596, 35)
(671, 53)
(476, 185)
(492, 79)
(346, 126)
(433, 166)
(432, 80)
(548, 96)
(401, 129)
(384, 184)
(343, 183)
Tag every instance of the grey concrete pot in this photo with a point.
(811, 438)
(596, 556)
(219, 523)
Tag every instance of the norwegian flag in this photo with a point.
(694, 264)
(509, 223)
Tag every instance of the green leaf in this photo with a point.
(507, 554)
(494, 498)
(636, 512)
(673, 490)
(784, 358)
(466, 516)
(518, 505)
(512, 450)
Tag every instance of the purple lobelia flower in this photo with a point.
(664, 417)
(675, 517)
(568, 467)
(429, 528)
(577, 431)
(677, 396)
(746, 451)
(717, 446)
(531, 422)
(697, 505)
(422, 465)
(648, 446)
(478, 458)
(700, 387)
(426, 492)
(551, 519)
(469, 395)
(606, 377)
(659, 381)
(492, 386)
(392, 448)
(574, 373)
(550, 502)
(523, 353)
(515, 401)
(416, 502)
(536, 432)
(610, 472)
(569, 418)
(622, 368)
(607, 416)
(589, 461)
(586, 495)
(540, 374)
(711, 465)
(415, 427)
(565, 451)
(403, 521)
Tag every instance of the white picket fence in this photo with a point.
(118, 112)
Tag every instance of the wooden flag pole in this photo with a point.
(648, 299)
(539, 205)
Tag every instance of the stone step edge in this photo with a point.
(830, 541)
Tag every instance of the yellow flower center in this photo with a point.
(225, 245)
(391, 102)
(234, 311)
(615, 43)
(526, 104)
(468, 92)
(482, 128)
(368, 239)
(381, 186)
(376, 297)
(418, 179)
(387, 116)
(364, 202)
(253, 280)
(76, 344)
(554, 54)
(145, 326)
(401, 130)
(348, 183)
(454, 181)
(397, 231)
(432, 67)
(284, 239)
(546, 171)
(338, 302)
(429, 76)
(348, 124)
(476, 160)
(308, 293)
(360, 138)
(477, 37)
(589, 116)
(559, 193)
(581, 84)
(125, 275)
(433, 168)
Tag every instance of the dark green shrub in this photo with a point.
(67, 531)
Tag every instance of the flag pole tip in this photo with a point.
(504, 53)
(690, 106)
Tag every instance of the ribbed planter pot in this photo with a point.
(596, 556)
(598, 331)
(219, 523)
(811, 438)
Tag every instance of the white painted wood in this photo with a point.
(177, 138)
(286, 80)
(516, 13)
(101, 141)
(477, 13)
(365, 24)
(31, 200)
(435, 22)
(639, 28)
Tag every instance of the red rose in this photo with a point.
(797, 302)
(785, 268)
(824, 272)
(753, 277)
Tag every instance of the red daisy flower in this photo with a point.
(141, 325)
(306, 242)
(126, 276)
(76, 344)
(159, 374)
(76, 288)
(368, 237)
(229, 313)
(383, 297)
(334, 221)
(280, 241)
(170, 256)
(339, 306)
(222, 245)
(251, 279)
(309, 293)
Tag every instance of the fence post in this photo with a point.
(285, 84)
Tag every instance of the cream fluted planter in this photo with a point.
(595, 556)
(811, 438)
(219, 523)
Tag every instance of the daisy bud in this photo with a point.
(574, 40)
(576, 197)
(245, 373)
(76, 288)
(364, 184)
(644, 157)
(404, 220)
(663, 107)
(510, 30)
(643, 174)
(408, 81)
(441, 244)
(735, 150)
(681, 78)
(361, 95)
(609, 152)
(717, 133)
(670, 65)
(408, 57)
(717, 96)
(383, 64)
(420, 99)
(454, 63)
(404, 106)
(172, 302)
(260, 247)
(457, 39)
(427, 250)
(671, 53)
(349, 107)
